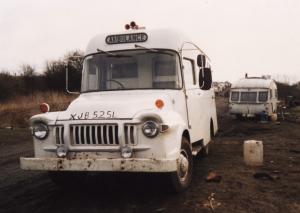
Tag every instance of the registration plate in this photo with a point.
(93, 115)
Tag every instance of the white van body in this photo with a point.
(98, 127)
(253, 96)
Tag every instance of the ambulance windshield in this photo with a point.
(131, 69)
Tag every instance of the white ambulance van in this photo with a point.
(253, 96)
(146, 105)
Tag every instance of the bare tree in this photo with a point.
(27, 70)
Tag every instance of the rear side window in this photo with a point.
(263, 96)
(248, 96)
(235, 96)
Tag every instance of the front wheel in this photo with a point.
(240, 117)
(181, 179)
(204, 152)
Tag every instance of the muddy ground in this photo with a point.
(238, 191)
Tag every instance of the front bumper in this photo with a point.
(113, 165)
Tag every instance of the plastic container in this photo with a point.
(273, 117)
(253, 153)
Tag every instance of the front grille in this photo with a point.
(59, 135)
(130, 134)
(94, 134)
(100, 134)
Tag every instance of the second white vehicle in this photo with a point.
(253, 96)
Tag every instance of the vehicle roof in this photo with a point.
(254, 83)
(159, 38)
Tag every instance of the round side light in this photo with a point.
(61, 152)
(126, 152)
(159, 103)
(44, 107)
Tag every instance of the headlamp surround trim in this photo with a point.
(43, 126)
(151, 124)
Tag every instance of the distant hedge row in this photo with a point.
(52, 79)
(285, 90)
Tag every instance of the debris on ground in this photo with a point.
(160, 210)
(265, 176)
(9, 127)
(213, 177)
(211, 202)
(294, 151)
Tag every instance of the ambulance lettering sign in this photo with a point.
(126, 38)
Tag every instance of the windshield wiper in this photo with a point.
(108, 53)
(146, 48)
(113, 54)
(153, 50)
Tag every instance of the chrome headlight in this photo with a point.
(40, 130)
(150, 129)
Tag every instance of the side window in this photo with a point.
(248, 96)
(262, 96)
(235, 96)
(189, 71)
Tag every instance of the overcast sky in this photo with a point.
(253, 36)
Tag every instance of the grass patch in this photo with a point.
(17, 111)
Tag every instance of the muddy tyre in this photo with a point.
(67, 179)
(181, 179)
(204, 152)
(239, 117)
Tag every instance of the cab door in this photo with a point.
(193, 99)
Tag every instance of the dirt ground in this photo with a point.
(238, 191)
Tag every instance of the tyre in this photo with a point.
(204, 152)
(67, 179)
(181, 179)
(239, 117)
(212, 129)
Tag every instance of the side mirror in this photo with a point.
(205, 78)
(201, 60)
